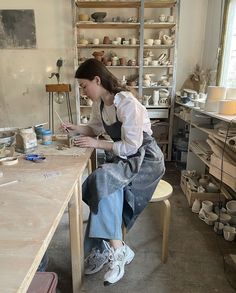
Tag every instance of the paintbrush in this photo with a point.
(66, 129)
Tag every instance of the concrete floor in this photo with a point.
(196, 254)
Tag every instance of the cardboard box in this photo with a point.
(192, 195)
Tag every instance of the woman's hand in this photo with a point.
(68, 126)
(86, 142)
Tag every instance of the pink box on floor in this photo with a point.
(43, 282)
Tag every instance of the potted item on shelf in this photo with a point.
(83, 17)
(98, 55)
(162, 18)
(167, 40)
(146, 99)
(99, 16)
(106, 40)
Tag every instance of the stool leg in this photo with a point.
(123, 232)
(166, 225)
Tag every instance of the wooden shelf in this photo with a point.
(91, 46)
(210, 131)
(159, 25)
(111, 25)
(108, 4)
(199, 156)
(120, 67)
(158, 66)
(124, 4)
(159, 4)
(157, 107)
(180, 117)
(81, 46)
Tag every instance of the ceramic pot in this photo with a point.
(98, 55)
(106, 40)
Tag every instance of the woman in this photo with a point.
(118, 190)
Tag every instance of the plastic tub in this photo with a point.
(43, 282)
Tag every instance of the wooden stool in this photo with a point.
(162, 192)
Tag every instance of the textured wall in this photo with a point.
(24, 72)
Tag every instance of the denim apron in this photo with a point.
(137, 175)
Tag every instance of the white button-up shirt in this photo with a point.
(133, 116)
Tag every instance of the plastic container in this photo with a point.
(45, 282)
(46, 137)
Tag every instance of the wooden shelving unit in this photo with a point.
(141, 29)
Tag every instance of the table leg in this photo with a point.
(76, 236)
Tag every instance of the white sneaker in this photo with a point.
(95, 261)
(118, 259)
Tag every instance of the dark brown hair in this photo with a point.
(92, 67)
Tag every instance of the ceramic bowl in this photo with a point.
(224, 218)
(83, 17)
(231, 207)
(210, 218)
(99, 16)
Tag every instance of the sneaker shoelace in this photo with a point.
(114, 258)
(91, 259)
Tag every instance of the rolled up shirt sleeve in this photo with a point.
(95, 121)
(131, 114)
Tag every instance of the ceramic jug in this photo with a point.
(146, 99)
(164, 93)
(167, 40)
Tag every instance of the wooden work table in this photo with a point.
(30, 211)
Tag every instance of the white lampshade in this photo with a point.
(214, 95)
(227, 107)
(231, 93)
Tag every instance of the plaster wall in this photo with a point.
(24, 73)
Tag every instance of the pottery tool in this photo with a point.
(8, 183)
(35, 158)
(66, 129)
(8, 161)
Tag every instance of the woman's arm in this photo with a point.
(81, 129)
(90, 142)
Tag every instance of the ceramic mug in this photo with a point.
(95, 41)
(149, 42)
(196, 206)
(133, 41)
(207, 206)
(162, 18)
(218, 228)
(170, 18)
(157, 42)
(229, 233)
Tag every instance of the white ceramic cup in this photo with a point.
(196, 206)
(207, 206)
(229, 233)
(154, 62)
(157, 42)
(133, 41)
(149, 42)
(118, 39)
(218, 228)
(95, 41)
(170, 18)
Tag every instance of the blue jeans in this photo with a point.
(106, 224)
